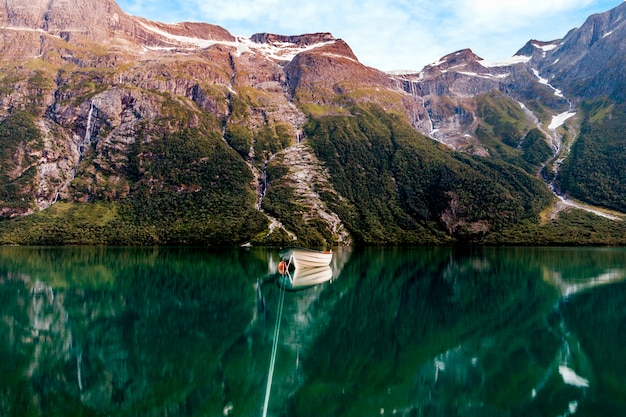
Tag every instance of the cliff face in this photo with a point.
(171, 122)
(587, 61)
(59, 15)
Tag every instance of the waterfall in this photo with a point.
(82, 144)
(263, 184)
(88, 130)
(409, 86)
(298, 134)
(431, 126)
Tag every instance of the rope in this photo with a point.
(270, 375)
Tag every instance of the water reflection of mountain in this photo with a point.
(415, 331)
(439, 332)
(571, 286)
(150, 335)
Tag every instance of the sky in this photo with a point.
(390, 34)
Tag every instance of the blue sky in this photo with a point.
(390, 34)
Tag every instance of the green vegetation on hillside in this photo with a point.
(18, 137)
(195, 188)
(506, 132)
(504, 119)
(595, 172)
(571, 228)
(403, 188)
(536, 148)
(271, 139)
(186, 187)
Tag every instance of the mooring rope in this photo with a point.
(270, 375)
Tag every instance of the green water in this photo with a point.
(396, 332)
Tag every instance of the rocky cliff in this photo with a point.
(587, 62)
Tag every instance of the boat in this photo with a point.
(304, 258)
(305, 277)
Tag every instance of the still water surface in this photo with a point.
(396, 332)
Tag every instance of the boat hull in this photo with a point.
(306, 258)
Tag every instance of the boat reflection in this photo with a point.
(303, 278)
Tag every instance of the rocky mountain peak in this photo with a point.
(286, 48)
(464, 56)
(83, 22)
(456, 59)
(598, 27)
(584, 55)
(61, 15)
(190, 31)
(463, 60)
(535, 46)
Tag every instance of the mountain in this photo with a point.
(588, 61)
(119, 130)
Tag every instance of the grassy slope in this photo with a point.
(596, 169)
(18, 135)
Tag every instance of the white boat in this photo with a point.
(303, 278)
(306, 258)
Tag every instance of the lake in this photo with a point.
(396, 332)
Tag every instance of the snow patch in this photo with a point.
(401, 72)
(541, 79)
(560, 119)
(437, 63)
(22, 29)
(159, 48)
(544, 81)
(329, 54)
(202, 43)
(281, 51)
(547, 47)
(608, 34)
(486, 76)
(571, 378)
(517, 59)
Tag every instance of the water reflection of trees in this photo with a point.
(147, 340)
(598, 320)
(410, 314)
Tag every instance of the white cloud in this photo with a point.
(485, 16)
(505, 12)
(391, 34)
(383, 34)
